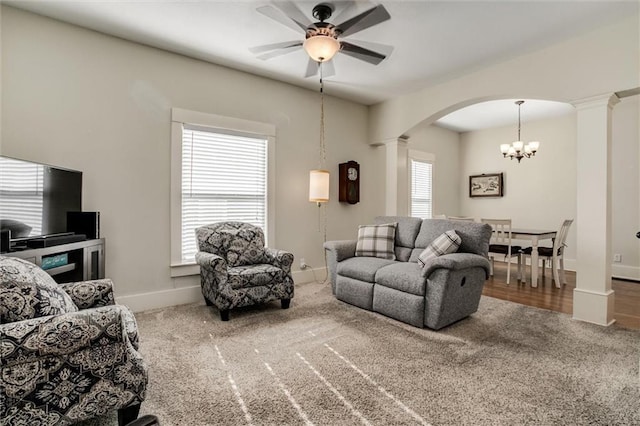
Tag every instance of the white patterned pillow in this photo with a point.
(446, 243)
(377, 241)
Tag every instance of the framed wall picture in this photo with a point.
(486, 185)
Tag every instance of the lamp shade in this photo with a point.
(321, 48)
(319, 186)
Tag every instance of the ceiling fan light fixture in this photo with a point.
(321, 48)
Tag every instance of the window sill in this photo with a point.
(184, 268)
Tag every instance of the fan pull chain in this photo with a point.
(322, 213)
(323, 151)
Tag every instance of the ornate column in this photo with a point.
(593, 298)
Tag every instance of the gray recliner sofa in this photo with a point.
(447, 289)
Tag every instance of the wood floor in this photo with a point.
(547, 296)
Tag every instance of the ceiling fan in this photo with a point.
(324, 39)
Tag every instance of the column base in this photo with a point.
(593, 307)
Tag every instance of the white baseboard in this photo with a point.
(161, 299)
(617, 270)
(625, 272)
(309, 275)
(193, 294)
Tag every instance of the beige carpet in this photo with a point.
(324, 362)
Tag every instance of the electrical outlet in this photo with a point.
(303, 264)
(617, 258)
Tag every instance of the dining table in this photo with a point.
(535, 236)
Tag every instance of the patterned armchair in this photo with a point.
(236, 269)
(68, 352)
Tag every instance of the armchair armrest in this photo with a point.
(90, 294)
(280, 258)
(342, 249)
(91, 353)
(456, 261)
(73, 335)
(213, 268)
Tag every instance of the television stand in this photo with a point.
(55, 240)
(76, 261)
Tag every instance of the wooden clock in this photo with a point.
(349, 182)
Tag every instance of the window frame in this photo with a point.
(216, 123)
(424, 157)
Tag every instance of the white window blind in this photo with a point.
(21, 193)
(421, 189)
(224, 178)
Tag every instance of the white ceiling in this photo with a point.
(433, 40)
(501, 113)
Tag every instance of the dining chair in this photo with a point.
(462, 218)
(554, 254)
(501, 244)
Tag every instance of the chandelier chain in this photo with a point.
(519, 107)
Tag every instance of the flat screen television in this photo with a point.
(35, 198)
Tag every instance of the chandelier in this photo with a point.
(518, 149)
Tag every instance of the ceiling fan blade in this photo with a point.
(268, 47)
(313, 67)
(280, 16)
(361, 53)
(280, 52)
(328, 69)
(366, 19)
(383, 49)
(294, 13)
(349, 10)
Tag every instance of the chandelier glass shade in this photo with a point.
(519, 149)
(321, 48)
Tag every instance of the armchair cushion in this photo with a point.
(246, 247)
(238, 243)
(26, 292)
(255, 276)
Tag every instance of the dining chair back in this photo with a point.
(557, 258)
(554, 254)
(501, 244)
(461, 218)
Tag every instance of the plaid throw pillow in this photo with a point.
(376, 241)
(445, 243)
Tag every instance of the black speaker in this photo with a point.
(5, 241)
(87, 223)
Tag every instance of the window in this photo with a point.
(224, 177)
(22, 191)
(421, 184)
(220, 172)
